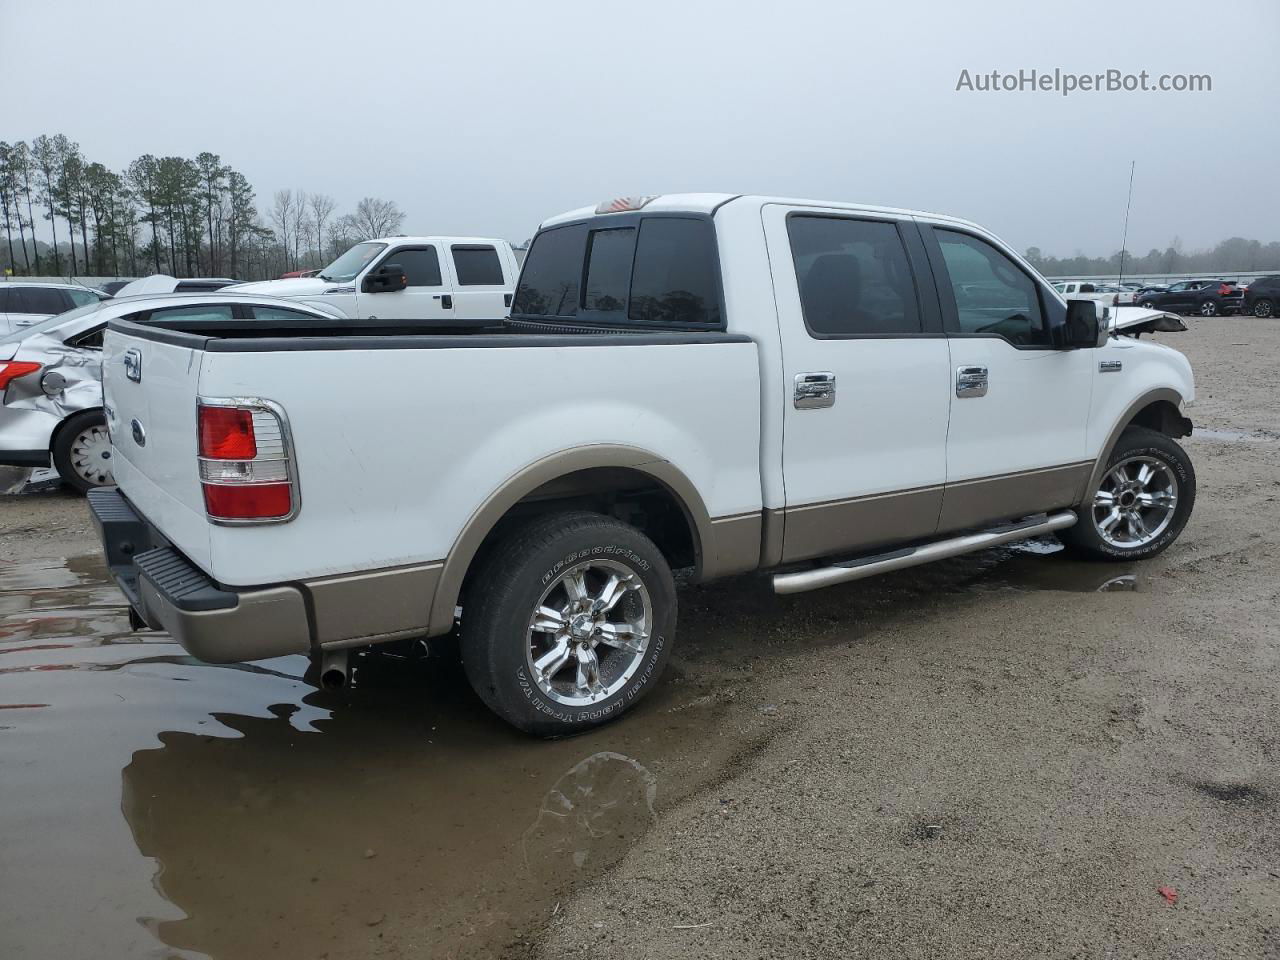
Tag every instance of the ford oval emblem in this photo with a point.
(139, 434)
(133, 364)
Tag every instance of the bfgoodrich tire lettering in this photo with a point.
(520, 612)
(1170, 472)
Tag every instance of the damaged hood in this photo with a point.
(294, 287)
(1132, 321)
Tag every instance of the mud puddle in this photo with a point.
(151, 805)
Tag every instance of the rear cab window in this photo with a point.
(640, 271)
(476, 265)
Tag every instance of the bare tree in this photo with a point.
(298, 227)
(377, 218)
(322, 207)
(282, 218)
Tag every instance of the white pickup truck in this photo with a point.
(433, 281)
(819, 391)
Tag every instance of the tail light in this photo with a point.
(1115, 301)
(246, 461)
(14, 369)
(1224, 290)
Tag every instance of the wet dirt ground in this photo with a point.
(1007, 754)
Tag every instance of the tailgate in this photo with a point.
(149, 392)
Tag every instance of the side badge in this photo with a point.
(133, 364)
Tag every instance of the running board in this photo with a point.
(803, 580)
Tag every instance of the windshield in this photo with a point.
(50, 323)
(348, 266)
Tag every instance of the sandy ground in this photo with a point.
(990, 757)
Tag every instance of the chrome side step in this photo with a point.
(803, 580)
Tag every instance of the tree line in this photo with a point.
(1228, 256)
(174, 215)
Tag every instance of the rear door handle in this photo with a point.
(815, 391)
(971, 382)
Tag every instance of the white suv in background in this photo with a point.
(23, 304)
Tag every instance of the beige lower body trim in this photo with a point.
(373, 606)
(971, 503)
(841, 526)
(733, 547)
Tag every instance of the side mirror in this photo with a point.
(387, 278)
(1083, 329)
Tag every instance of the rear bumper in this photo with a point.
(169, 593)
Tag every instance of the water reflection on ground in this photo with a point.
(151, 805)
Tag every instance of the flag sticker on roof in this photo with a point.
(623, 204)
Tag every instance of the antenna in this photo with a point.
(1127, 204)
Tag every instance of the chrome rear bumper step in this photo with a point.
(802, 580)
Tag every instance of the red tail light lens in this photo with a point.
(14, 369)
(246, 461)
(226, 433)
(250, 501)
(1224, 290)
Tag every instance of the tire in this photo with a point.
(1148, 304)
(1208, 308)
(1263, 307)
(535, 568)
(1172, 471)
(82, 451)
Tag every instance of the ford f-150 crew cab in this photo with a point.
(723, 384)
(434, 281)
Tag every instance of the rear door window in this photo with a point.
(38, 300)
(82, 298)
(854, 277)
(477, 265)
(675, 278)
(207, 312)
(552, 274)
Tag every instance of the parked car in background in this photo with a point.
(1086, 290)
(51, 375)
(819, 391)
(23, 304)
(161, 283)
(432, 281)
(1262, 296)
(1208, 298)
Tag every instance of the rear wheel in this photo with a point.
(1208, 308)
(1141, 503)
(1262, 307)
(568, 623)
(1148, 304)
(82, 451)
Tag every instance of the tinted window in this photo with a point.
(853, 276)
(674, 279)
(278, 313)
(992, 294)
(90, 339)
(38, 300)
(609, 269)
(552, 271)
(4, 298)
(477, 266)
(421, 265)
(206, 312)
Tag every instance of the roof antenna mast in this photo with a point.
(1127, 204)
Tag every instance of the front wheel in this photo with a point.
(82, 451)
(1262, 307)
(568, 623)
(1142, 502)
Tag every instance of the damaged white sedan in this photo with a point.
(51, 375)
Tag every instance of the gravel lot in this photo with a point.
(1005, 755)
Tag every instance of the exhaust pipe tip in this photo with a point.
(334, 671)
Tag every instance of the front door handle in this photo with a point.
(971, 382)
(815, 391)
(446, 301)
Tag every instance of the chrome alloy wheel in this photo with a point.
(91, 455)
(1208, 309)
(589, 632)
(1135, 502)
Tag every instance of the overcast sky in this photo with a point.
(484, 118)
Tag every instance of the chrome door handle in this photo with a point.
(815, 391)
(971, 382)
